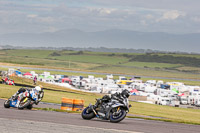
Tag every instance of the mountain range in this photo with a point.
(114, 38)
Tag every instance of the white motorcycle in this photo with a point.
(25, 99)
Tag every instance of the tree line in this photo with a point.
(188, 61)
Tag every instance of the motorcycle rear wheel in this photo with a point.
(23, 105)
(117, 117)
(87, 115)
(29, 106)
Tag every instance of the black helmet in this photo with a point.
(125, 93)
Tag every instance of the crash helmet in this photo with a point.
(125, 93)
(38, 88)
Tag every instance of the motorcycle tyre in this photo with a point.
(29, 106)
(25, 105)
(7, 104)
(87, 116)
(119, 119)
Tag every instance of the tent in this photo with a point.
(66, 80)
(49, 77)
(13, 74)
(181, 94)
(27, 74)
(41, 77)
(134, 92)
(18, 72)
(175, 90)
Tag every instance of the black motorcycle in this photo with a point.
(115, 110)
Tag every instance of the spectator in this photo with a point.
(35, 80)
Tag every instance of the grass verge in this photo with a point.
(57, 110)
(165, 120)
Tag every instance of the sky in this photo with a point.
(38, 16)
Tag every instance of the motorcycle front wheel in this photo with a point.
(117, 114)
(25, 102)
(87, 114)
(7, 104)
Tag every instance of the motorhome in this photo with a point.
(197, 101)
(163, 101)
(124, 82)
(150, 89)
(183, 100)
(194, 96)
(159, 83)
(151, 82)
(174, 100)
(164, 92)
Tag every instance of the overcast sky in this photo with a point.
(36, 16)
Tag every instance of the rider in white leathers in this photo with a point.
(36, 90)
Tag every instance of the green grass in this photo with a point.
(97, 62)
(150, 64)
(92, 59)
(29, 53)
(147, 72)
(170, 114)
(184, 55)
(7, 91)
(56, 110)
(47, 62)
(195, 69)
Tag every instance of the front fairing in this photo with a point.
(13, 103)
(124, 103)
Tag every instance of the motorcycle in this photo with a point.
(25, 100)
(8, 81)
(115, 110)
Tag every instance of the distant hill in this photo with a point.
(109, 38)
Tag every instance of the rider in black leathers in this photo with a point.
(118, 96)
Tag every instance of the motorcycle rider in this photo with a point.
(5, 79)
(117, 96)
(21, 90)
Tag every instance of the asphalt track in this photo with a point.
(37, 121)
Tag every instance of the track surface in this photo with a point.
(14, 120)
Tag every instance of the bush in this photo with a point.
(55, 54)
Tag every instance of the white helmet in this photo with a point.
(38, 88)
